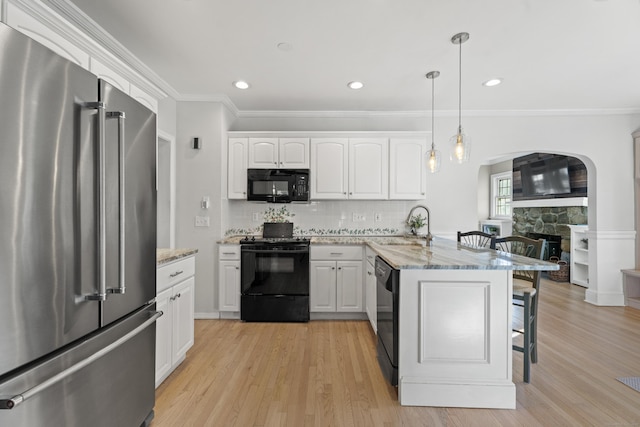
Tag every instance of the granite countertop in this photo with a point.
(445, 254)
(403, 252)
(338, 240)
(165, 255)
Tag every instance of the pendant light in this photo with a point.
(433, 155)
(460, 144)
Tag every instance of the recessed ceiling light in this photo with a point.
(285, 47)
(492, 82)
(241, 84)
(355, 85)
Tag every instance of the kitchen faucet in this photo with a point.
(428, 237)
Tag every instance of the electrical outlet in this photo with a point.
(377, 217)
(359, 217)
(202, 221)
(256, 216)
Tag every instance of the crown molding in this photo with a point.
(220, 98)
(96, 41)
(92, 38)
(275, 114)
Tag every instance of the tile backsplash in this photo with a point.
(321, 218)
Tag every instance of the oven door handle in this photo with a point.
(275, 251)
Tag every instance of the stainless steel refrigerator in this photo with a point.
(77, 245)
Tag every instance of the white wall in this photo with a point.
(198, 175)
(167, 115)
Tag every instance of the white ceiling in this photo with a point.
(552, 54)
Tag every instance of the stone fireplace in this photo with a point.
(549, 220)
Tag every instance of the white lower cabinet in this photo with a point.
(336, 279)
(229, 278)
(371, 284)
(174, 329)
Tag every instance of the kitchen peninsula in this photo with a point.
(455, 323)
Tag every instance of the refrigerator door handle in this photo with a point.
(101, 295)
(21, 397)
(121, 231)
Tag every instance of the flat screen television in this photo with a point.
(545, 177)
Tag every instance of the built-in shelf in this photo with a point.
(579, 267)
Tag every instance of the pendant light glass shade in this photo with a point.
(433, 155)
(433, 160)
(459, 143)
(460, 147)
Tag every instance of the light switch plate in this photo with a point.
(202, 221)
(357, 217)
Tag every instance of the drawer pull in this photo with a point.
(177, 273)
(228, 253)
(336, 253)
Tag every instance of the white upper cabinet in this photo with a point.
(269, 153)
(294, 153)
(368, 168)
(28, 25)
(329, 168)
(68, 49)
(263, 152)
(237, 172)
(407, 169)
(355, 168)
(144, 98)
(107, 74)
(376, 166)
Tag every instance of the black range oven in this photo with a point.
(274, 276)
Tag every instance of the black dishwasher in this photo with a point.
(388, 297)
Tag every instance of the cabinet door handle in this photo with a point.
(237, 268)
(333, 268)
(339, 268)
(369, 273)
(177, 273)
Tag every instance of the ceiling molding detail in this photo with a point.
(90, 29)
(267, 114)
(66, 19)
(221, 98)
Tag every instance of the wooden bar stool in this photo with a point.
(526, 290)
(477, 239)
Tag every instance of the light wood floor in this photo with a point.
(324, 373)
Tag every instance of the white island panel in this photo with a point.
(455, 338)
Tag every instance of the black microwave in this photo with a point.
(278, 185)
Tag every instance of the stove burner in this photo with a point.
(274, 240)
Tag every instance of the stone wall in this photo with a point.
(550, 220)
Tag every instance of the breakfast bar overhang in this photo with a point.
(455, 329)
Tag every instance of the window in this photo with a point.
(501, 195)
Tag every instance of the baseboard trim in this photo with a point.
(213, 315)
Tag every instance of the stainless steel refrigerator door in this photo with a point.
(104, 381)
(131, 261)
(47, 201)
